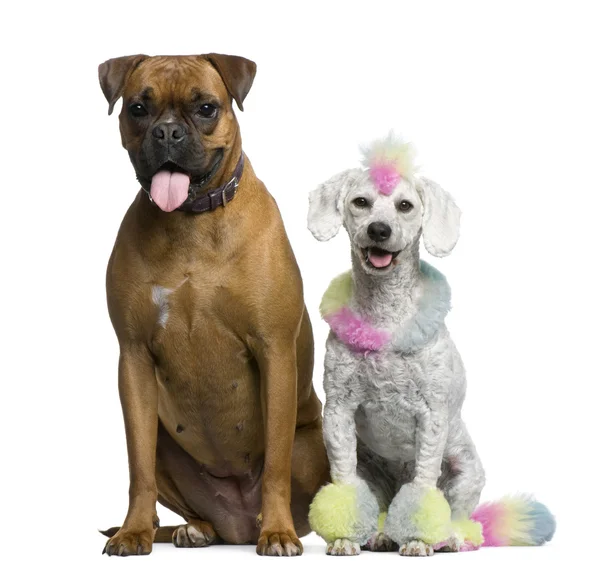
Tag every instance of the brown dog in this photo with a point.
(216, 354)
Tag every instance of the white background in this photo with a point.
(502, 102)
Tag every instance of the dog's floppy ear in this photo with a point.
(441, 218)
(325, 204)
(237, 74)
(113, 75)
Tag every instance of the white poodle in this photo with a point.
(405, 471)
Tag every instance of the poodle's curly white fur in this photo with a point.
(393, 417)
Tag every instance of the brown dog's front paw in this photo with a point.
(130, 543)
(279, 544)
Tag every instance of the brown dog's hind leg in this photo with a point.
(194, 534)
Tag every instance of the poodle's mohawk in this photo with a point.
(388, 160)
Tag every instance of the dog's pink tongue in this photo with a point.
(380, 261)
(169, 190)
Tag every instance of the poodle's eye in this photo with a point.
(360, 202)
(405, 206)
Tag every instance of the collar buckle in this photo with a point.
(233, 181)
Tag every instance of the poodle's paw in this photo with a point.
(343, 547)
(452, 544)
(418, 513)
(380, 542)
(416, 548)
(349, 510)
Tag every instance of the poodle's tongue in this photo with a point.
(379, 259)
(169, 190)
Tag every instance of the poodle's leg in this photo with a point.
(461, 482)
(431, 439)
(464, 476)
(345, 512)
(339, 433)
(381, 477)
(419, 516)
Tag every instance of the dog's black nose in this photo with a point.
(379, 231)
(169, 132)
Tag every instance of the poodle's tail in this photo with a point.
(515, 521)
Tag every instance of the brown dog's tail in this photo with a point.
(163, 534)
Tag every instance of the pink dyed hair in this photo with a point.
(388, 161)
(492, 516)
(385, 177)
(355, 332)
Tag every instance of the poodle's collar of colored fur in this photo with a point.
(360, 335)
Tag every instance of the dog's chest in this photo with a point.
(393, 395)
(208, 379)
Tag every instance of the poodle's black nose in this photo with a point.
(379, 231)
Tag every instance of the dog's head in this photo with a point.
(177, 121)
(385, 209)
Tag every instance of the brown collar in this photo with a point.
(217, 197)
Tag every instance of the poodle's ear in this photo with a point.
(326, 202)
(441, 218)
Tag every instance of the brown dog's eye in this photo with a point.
(405, 206)
(360, 202)
(207, 111)
(136, 109)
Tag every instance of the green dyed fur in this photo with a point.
(381, 521)
(432, 518)
(337, 295)
(334, 512)
(466, 530)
